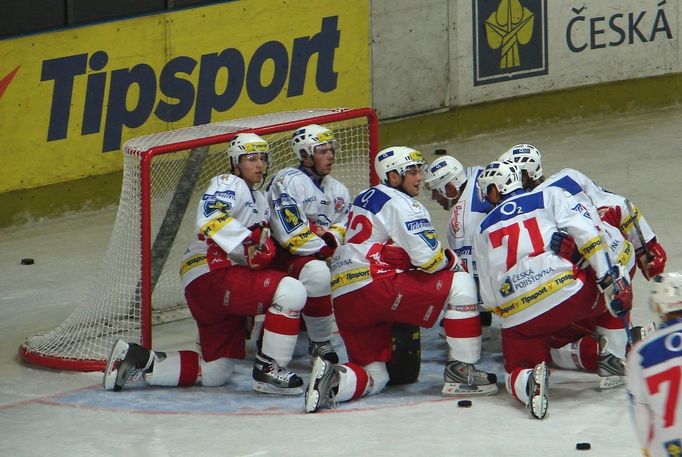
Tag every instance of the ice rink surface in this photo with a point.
(50, 413)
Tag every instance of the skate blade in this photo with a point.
(265, 388)
(457, 389)
(312, 396)
(118, 353)
(609, 382)
(538, 406)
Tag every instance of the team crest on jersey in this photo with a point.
(673, 448)
(429, 236)
(339, 204)
(579, 208)
(507, 288)
(218, 202)
(289, 217)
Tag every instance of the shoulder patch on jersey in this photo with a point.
(289, 217)
(568, 184)
(430, 238)
(372, 200)
(339, 205)
(219, 202)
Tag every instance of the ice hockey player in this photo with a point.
(654, 370)
(613, 209)
(309, 210)
(392, 268)
(227, 278)
(453, 186)
(622, 223)
(536, 293)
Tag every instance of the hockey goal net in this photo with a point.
(164, 175)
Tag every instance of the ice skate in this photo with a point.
(323, 349)
(270, 378)
(465, 379)
(538, 391)
(127, 363)
(611, 369)
(324, 381)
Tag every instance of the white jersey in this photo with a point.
(382, 215)
(520, 278)
(467, 215)
(654, 390)
(585, 190)
(226, 209)
(297, 200)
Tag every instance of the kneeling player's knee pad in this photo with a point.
(290, 294)
(316, 277)
(377, 371)
(217, 372)
(463, 292)
(406, 354)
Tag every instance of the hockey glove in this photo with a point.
(396, 257)
(453, 263)
(651, 263)
(617, 291)
(259, 249)
(563, 245)
(611, 215)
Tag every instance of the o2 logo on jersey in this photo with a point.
(507, 287)
(289, 217)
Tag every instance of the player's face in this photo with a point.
(323, 157)
(445, 203)
(412, 180)
(493, 195)
(252, 167)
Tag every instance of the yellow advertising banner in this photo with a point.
(70, 99)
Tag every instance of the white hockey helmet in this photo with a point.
(526, 157)
(247, 143)
(442, 171)
(306, 139)
(396, 158)
(505, 176)
(666, 293)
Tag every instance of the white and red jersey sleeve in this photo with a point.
(584, 189)
(382, 216)
(226, 210)
(299, 203)
(520, 278)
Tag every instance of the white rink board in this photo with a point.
(429, 61)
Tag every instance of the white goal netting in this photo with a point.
(164, 175)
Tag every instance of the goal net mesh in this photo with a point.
(164, 176)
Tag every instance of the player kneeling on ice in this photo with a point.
(537, 294)
(654, 368)
(227, 281)
(393, 269)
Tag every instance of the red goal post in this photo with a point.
(164, 175)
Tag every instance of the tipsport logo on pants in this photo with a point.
(510, 40)
(118, 109)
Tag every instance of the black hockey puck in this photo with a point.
(464, 403)
(440, 152)
(27, 261)
(583, 446)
